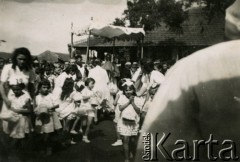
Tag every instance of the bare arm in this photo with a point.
(116, 100)
(87, 97)
(4, 95)
(122, 107)
(137, 109)
(26, 108)
(142, 90)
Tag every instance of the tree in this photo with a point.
(119, 22)
(215, 7)
(151, 13)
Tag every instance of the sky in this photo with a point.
(42, 25)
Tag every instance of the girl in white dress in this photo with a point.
(88, 103)
(130, 107)
(20, 109)
(66, 104)
(47, 120)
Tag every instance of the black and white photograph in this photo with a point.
(119, 80)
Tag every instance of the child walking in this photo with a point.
(89, 104)
(47, 120)
(66, 104)
(117, 112)
(130, 107)
(77, 98)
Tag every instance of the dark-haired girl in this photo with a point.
(130, 107)
(70, 72)
(88, 96)
(47, 120)
(66, 104)
(20, 70)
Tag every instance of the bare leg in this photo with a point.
(67, 125)
(75, 124)
(82, 123)
(133, 145)
(126, 147)
(89, 122)
(47, 146)
(64, 125)
(118, 134)
(95, 112)
(119, 140)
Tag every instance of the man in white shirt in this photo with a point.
(101, 79)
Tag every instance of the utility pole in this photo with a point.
(71, 51)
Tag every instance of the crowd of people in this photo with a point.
(68, 98)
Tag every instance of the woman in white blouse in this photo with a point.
(19, 70)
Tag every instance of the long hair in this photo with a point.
(67, 88)
(23, 51)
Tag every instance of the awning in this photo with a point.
(111, 31)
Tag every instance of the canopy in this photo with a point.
(111, 31)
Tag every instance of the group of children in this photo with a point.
(78, 104)
(45, 114)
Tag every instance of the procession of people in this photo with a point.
(67, 99)
(44, 105)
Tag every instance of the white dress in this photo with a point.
(101, 83)
(129, 128)
(66, 107)
(86, 104)
(23, 125)
(12, 76)
(53, 122)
